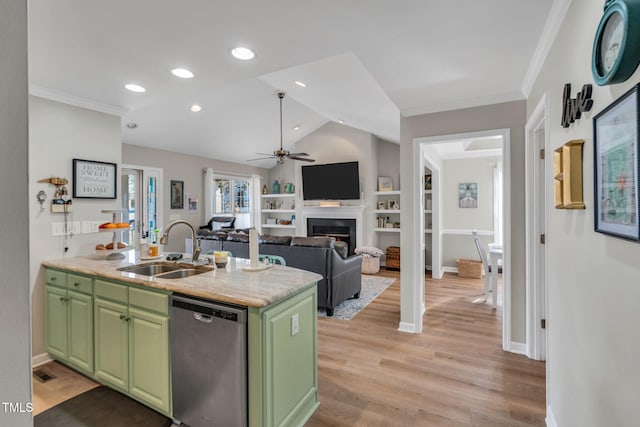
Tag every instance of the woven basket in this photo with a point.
(470, 268)
(393, 257)
(370, 264)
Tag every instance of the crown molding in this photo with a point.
(549, 32)
(65, 98)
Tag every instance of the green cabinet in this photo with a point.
(132, 342)
(283, 361)
(69, 319)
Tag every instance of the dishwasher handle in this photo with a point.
(204, 318)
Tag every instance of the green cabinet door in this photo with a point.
(111, 335)
(80, 309)
(149, 359)
(283, 362)
(56, 322)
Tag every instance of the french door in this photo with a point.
(141, 190)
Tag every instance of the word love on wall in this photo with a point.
(572, 108)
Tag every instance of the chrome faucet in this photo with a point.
(196, 245)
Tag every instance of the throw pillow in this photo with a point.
(342, 248)
(275, 240)
(238, 237)
(315, 242)
(371, 250)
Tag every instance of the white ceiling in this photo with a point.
(466, 148)
(364, 61)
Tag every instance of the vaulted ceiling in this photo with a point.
(364, 62)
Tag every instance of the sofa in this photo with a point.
(341, 274)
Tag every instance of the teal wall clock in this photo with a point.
(616, 47)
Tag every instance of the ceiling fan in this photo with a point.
(281, 154)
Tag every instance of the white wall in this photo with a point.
(15, 375)
(182, 167)
(59, 133)
(454, 172)
(594, 287)
(510, 115)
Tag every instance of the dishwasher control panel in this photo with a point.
(209, 311)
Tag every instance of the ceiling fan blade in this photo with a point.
(299, 154)
(261, 158)
(304, 159)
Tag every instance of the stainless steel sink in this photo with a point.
(150, 269)
(164, 270)
(179, 274)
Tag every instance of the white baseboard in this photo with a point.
(40, 359)
(518, 347)
(450, 269)
(550, 420)
(407, 327)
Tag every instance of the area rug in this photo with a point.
(100, 407)
(372, 286)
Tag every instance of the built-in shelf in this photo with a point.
(278, 226)
(387, 230)
(389, 211)
(271, 196)
(279, 210)
(387, 193)
(428, 211)
(428, 231)
(428, 191)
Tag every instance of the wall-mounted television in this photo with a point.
(332, 181)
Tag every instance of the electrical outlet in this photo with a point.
(295, 324)
(86, 227)
(75, 227)
(57, 228)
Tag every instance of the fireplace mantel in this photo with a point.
(346, 212)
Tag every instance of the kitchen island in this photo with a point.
(114, 327)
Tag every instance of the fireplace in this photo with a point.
(344, 230)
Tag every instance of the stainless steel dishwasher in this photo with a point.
(208, 362)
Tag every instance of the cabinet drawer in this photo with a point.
(149, 300)
(80, 283)
(112, 291)
(55, 277)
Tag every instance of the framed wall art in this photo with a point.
(94, 180)
(177, 194)
(615, 147)
(385, 183)
(192, 203)
(468, 195)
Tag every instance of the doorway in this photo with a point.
(536, 220)
(141, 192)
(421, 147)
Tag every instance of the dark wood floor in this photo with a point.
(453, 374)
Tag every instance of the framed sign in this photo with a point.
(177, 194)
(94, 180)
(468, 195)
(615, 145)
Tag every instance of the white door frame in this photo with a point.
(535, 220)
(146, 170)
(506, 214)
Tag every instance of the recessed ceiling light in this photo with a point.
(301, 84)
(195, 108)
(341, 121)
(134, 87)
(243, 53)
(296, 127)
(132, 125)
(183, 73)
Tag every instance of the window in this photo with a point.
(231, 196)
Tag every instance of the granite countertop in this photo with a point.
(230, 284)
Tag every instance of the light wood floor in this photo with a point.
(453, 374)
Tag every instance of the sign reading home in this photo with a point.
(94, 180)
